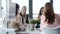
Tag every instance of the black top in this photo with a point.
(27, 21)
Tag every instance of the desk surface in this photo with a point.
(11, 30)
(30, 32)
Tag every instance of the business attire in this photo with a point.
(50, 28)
(25, 19)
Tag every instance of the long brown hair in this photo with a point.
(49, 13)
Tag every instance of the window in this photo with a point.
(56, 6)
(37, 4)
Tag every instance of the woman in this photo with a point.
(40, 12)
(49, 18)
(24, 15)
(17, 22)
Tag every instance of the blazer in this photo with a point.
(27, 17)
(16, 23)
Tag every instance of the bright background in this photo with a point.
(22, 3)
(37, 4)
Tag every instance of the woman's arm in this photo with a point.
(43, 24)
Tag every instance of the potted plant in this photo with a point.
(38, 23)
(32, 24)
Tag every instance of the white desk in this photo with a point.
(30, 32)
(2, 31)
(12, 31)
(7, 31)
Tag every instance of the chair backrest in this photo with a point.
(51, 31)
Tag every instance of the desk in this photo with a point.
(12, 31)
(2, 31)
(29, 32)
(7, 31)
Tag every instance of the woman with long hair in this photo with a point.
(49, 18)
(50, 22)
(40, 13)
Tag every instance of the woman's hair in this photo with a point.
(24, 7)
(49, 13)
(17, 7)
(40, 12)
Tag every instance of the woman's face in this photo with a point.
(23, 11)
(18, 11)
(42, 10)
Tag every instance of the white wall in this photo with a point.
(4, 8)
(2, 11)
